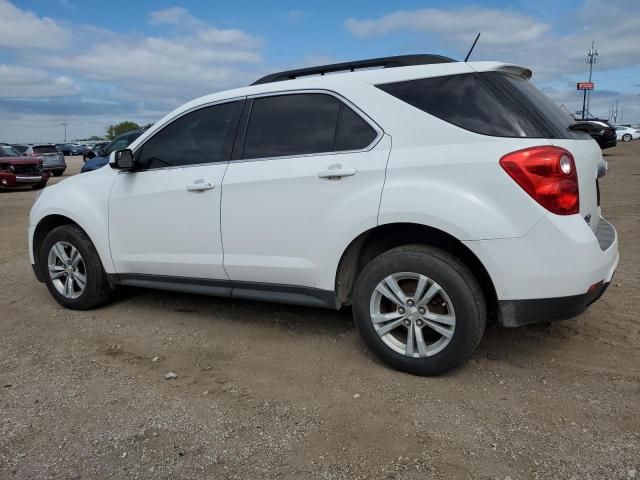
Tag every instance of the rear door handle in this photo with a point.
(337, 171)
(200, 186)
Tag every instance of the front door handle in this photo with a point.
(200, 185)
(337, 171)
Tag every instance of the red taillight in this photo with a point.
(548, 174)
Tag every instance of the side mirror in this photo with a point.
(121, 159)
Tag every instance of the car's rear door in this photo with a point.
(306, 179)
(164, 217)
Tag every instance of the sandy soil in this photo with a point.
(270, 391)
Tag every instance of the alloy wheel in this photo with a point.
(412, 314)
(67, 270)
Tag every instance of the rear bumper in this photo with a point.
(549, 273)
(516, 313)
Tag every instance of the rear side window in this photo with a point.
(489, 103)
(45, 149)
(203, 136)
(304, 123)
(353, 132)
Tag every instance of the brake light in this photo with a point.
(548, 174)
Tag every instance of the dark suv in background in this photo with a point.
(101, 156)
(600, 130)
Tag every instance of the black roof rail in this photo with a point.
(384, 62)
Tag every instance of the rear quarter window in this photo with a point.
(489, 103)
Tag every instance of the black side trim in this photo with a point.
(266, 292)
(516, 313)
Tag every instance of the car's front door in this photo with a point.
(307, 179)
(164, 216)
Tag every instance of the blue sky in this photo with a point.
(95, 63)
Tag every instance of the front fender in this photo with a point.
(84, 199)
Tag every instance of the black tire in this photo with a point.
(626, 137)
(97, 290)
(455, 279)
(58, 173)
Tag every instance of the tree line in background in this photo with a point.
(119, 128)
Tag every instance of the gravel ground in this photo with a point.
(271, 391)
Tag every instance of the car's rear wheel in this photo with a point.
(58, 173)
(626, 137)
(419, 309)
(72, 269)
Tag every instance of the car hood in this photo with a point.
(19, 160)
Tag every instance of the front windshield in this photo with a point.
(7, 151)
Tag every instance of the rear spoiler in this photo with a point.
(501, 67)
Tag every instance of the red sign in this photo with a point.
(586, 85)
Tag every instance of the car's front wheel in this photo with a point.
(626, 137)
(419, 309)
(72, 269)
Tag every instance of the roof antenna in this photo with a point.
(472, 47)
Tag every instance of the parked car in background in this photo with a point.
(69, 149)
(16, 170)
(600, 130)
(118, 143)
(94, 150)
(20, 148)
(52, 159)
(626, 134)
(324, 190)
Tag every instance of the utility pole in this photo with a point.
(64, 124)
(592, 57)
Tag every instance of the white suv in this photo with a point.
(430, 196)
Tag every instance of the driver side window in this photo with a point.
(203, 136)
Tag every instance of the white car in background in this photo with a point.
(626, 134)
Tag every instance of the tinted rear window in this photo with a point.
(45, 149)
(489, 103)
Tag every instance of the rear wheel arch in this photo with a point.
(382, 238)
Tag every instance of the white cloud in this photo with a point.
(513, 37)
(30, 82)
(161, 64)
(21, 29)
(173, 16)
(497, 26)
(230, 37)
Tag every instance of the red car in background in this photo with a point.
(18, 171)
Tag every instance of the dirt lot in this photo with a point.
(269, 391)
